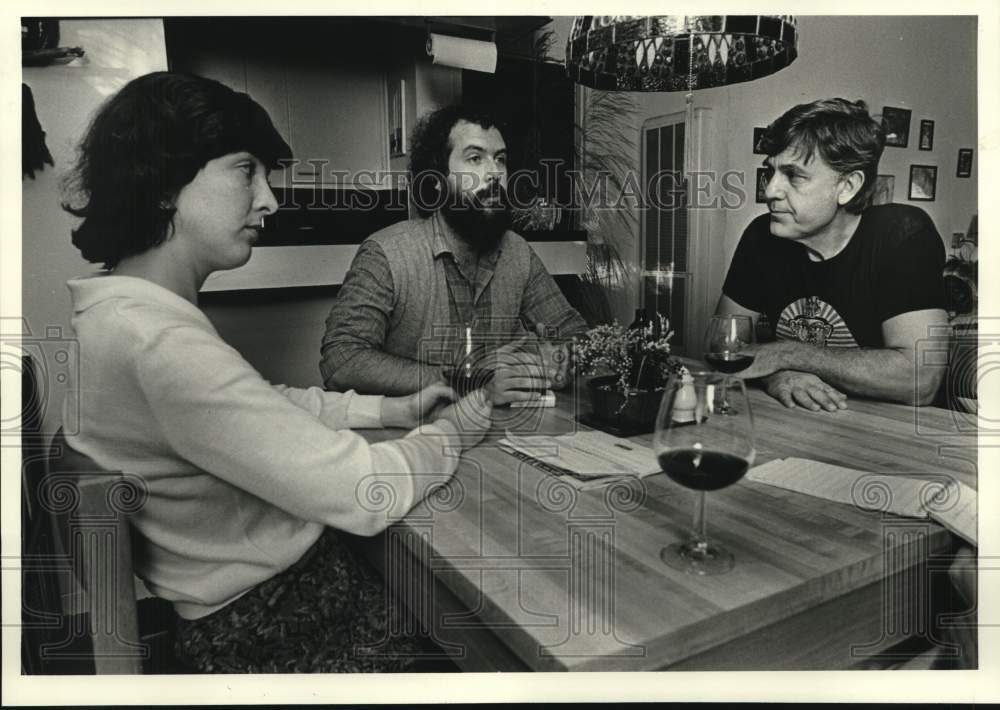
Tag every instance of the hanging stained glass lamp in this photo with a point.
(678, 52)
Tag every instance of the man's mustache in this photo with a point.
(494, 191)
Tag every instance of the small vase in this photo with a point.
(638, 414)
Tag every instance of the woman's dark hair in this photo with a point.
(843, 133)
(147, 142)
(430, 147)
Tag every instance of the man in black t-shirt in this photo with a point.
(848, 289)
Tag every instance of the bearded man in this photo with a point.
(421, 290)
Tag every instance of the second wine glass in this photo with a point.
(725, 347)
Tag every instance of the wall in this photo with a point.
(278, 330)
(65, 98)
(926, 64)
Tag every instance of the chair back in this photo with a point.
(41, 604)
(90, 509)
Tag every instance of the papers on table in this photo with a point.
(941, 498)
(585, 459)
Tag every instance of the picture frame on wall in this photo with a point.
(885, 187)
(896, 124)
(397, 118)
(926, 141)
(761, 183)
(758, 133)
(923, 183)
(964, 168)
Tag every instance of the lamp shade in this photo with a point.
(678, 52)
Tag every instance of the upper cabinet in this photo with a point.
(326, 81)
(332, 115)
(323, 83)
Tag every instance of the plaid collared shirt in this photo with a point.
(406, 295)
(470, 295)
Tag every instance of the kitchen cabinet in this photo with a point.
(320, 82)
(331, 114)
(323, 80)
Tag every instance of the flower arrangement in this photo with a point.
(639, 357)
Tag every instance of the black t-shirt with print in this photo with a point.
(892, 265)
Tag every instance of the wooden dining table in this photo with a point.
(509, 567)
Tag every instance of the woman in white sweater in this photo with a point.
(245, 481)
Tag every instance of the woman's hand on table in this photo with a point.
(409, 411)
(804, 389)
(471, 417)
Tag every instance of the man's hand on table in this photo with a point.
(804, 389)
(790, 387)
(519, 373)
(555, 357)
(526, 367)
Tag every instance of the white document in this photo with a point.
(584, 455)
(941, 498)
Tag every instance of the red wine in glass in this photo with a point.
(729, 362)
(726, 338)
(703, 470)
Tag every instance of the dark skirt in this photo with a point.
(327, 613)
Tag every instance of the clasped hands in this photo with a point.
(525, 368)
(522, 370)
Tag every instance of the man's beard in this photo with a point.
(478, 225)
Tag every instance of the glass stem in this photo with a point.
(700, 530)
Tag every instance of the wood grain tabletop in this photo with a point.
(515, 569)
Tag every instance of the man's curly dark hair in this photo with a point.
(146, 143)
(430, 147)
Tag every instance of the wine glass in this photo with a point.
(725, 340)
(703, 450)
(469, 369)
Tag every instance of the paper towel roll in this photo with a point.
(462, 53)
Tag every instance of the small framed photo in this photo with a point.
(758, 133)
(885, 187)
(964, 163)
(926, 135)
(761, 185)
(896, 124)
(923, 182)
(397, 119)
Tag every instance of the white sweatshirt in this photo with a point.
(241, 475)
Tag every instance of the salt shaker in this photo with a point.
(686, 400)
